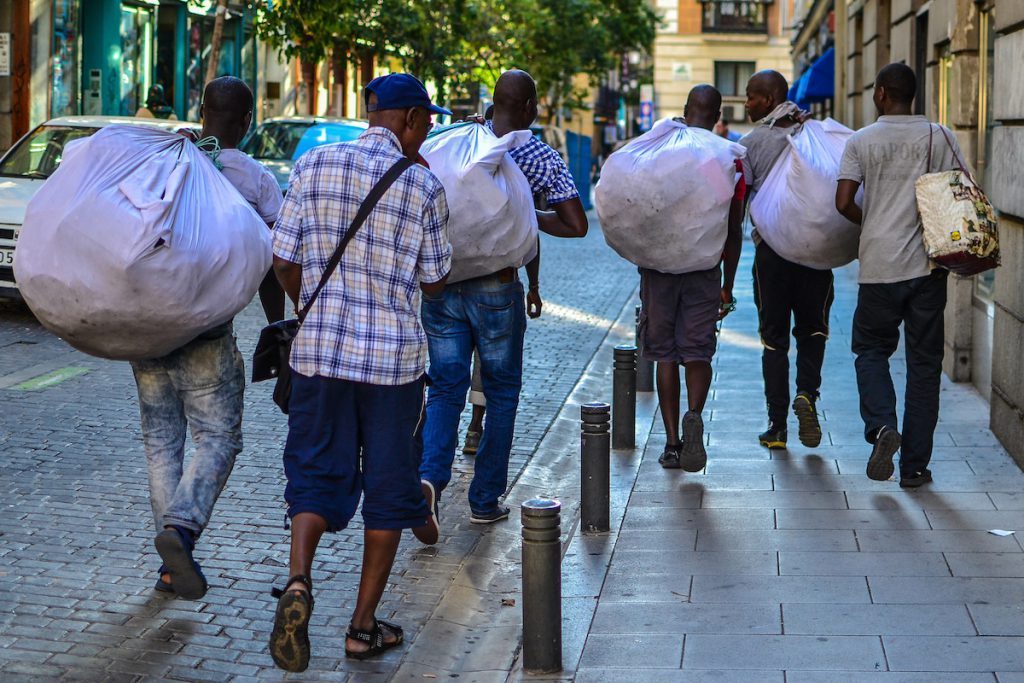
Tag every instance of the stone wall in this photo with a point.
(1008, 173)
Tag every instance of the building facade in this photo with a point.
(967, 55)
(721, 42)
(101, 57)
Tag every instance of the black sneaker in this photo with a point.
(670, 457)
(887, 442)
(915, 479)
(775, 437)
(693, 457)
(498, 514)
(807, 417)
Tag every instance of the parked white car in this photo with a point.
(27, 165)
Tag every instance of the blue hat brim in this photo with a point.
(439, 110)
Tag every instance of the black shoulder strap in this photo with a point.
(400, 167)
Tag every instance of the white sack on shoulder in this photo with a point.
(795, 209)
(664, 198)
(492, 223)
(137, 244)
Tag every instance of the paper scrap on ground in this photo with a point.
(1000, 532)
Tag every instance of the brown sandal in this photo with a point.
(289, 641)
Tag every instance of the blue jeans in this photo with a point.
(199, 385)
(490, 316)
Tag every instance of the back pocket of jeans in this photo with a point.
(496, 322)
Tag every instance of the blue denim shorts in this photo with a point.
(348, 440)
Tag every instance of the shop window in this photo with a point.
(735, 16)
(731, 77)
(136, 57)
(65, 65)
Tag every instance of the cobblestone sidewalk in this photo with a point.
(76, 556)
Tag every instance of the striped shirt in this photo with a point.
(545, 169)
(365, 325)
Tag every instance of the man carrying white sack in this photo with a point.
(201, 384)
(488, 312)
(784, 291)
(681, 312)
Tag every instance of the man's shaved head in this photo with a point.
(766, 90)
(703, 107)
(514, 88)
(227, 96)
(899, 82)
(769, 82)
(227, 110)
(515, 101)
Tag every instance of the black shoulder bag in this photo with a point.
(270, 359)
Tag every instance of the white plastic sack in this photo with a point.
(137, 244)
(795, 209)
(664, 198)
(492, 223)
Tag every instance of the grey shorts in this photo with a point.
(679, 315)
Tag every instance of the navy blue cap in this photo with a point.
(401, 91)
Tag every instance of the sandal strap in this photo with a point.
(298, 578)
(374, 637)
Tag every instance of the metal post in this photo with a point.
(624, 398)
(595, 467)
(542, 586)
(644, 367)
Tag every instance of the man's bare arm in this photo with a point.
(846, 202)
(290, 276)
(568, 219)
(731, 255)
(434, 288)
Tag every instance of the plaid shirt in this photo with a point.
(365, 325)
(544, 168)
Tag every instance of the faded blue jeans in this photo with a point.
(490, 316)
(200, 386)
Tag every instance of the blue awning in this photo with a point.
(817, 83)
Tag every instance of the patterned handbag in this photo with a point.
(959, 222)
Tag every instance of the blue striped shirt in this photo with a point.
(365, 325)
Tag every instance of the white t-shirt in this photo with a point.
(253, 181)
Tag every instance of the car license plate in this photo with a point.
(6, 257)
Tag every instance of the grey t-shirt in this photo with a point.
(764, 147)
(888, 157)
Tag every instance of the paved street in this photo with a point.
(76, 558)
(784, 567)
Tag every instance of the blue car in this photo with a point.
(279, 141)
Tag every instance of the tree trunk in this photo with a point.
(339, 65)
(308, 71)
(216, 40)
(365, 76)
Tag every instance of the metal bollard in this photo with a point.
(624, 398)
(595, 467)
(644, 367)
(542, 586)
